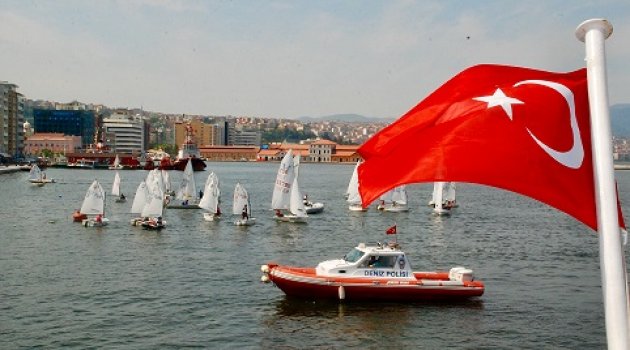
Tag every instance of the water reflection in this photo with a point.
(372, 324)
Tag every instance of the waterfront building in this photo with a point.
(11, 120)
(56, 142)
(318, 151)
(68, 122)
(229, 153)
(124, 133)
(321, 151)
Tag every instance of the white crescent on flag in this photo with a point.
(572, 158)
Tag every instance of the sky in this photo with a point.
(287, 59)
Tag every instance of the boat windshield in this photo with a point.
(353, 256)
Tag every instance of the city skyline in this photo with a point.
(286, 59)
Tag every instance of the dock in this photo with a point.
(13, 168)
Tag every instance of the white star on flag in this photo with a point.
(499, 99)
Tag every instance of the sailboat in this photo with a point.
(394, 200)
(116, 189)
(242, 206)
(139, 201)
(287, 199)
(210, 199)
(398, 200)
(385, 199)
(94, 204)
(353, 195)
(186, 196)
(116, 165)
(154, 207)
(38, 177)
(312, 207)
(439, 207)
(450, 197)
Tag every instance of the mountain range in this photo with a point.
(619, 119)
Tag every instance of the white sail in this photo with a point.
(353, 185)
(155, 201)
(241, 199)
(116, 185)
(187, 189)
(140, 199)
(35, 173)
(387, 196)
(117, 161)
(450, 192)
(284, 179)
(167, 181)
(399, 195)
(438, 200)
(296, 205)
(210, 199)
(94, 201)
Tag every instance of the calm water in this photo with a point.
(196, 284)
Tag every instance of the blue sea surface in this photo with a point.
(197, 284)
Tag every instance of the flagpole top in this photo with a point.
(596, 23)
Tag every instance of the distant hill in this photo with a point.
(620, 120)
(347, 118)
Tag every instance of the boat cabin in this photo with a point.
(379, 261)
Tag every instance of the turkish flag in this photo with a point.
(391, 230)
(519, 129)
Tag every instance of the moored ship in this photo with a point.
(188, 151)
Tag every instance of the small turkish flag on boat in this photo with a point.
(391, 230)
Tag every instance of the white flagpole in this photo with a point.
(593, 33)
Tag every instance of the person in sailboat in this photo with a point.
(244, 214)
(122, 197)
(99, 218)
(306, 201)
(218, 213)
(279, 213)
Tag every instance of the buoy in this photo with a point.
(342, 293)
(264, 278)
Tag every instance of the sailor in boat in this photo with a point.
(244, 214)
(381, 206)
(122, 197)
(185, 202)
(306, 201)
(78, 217)
(279, 213)
(98, 219)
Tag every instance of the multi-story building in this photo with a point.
(321, 151)
(203, 133)
(56, 142)
(68, 122)
(245, 138)
(124, 133)
(11, 120)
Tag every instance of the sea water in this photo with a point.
(197, 283)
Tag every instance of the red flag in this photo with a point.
(391, 230)
(523, 130)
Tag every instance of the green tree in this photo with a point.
(46, 153)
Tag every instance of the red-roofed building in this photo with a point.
(320, 151)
